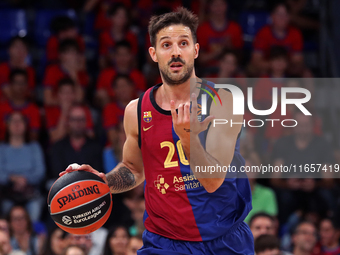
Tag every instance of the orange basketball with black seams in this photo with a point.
(80, 202)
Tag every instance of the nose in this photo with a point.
(176, 51)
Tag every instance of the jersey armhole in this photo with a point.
(139, 114)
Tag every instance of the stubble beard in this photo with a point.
(166, 74)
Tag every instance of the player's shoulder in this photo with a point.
(131, 108)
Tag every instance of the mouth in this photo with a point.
(176, 66)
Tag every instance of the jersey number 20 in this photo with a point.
(168, 161)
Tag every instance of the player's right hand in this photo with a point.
(76, 167)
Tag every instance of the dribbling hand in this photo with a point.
(76, 167)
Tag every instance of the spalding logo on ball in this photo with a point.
(80, 202)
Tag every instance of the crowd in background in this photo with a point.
(62, 101)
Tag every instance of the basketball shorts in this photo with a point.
(240, 241)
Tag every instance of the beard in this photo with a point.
(173, 79)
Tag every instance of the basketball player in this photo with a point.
(185, 213)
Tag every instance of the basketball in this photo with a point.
(79, 202)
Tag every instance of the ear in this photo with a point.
(152, 52)
(197, 47)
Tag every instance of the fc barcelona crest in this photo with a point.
(147, 116)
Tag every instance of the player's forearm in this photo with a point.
(200, 161)
(122, 179)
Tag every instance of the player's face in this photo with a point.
(175, 53)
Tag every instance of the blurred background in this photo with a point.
(69, 68)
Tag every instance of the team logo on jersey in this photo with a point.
(161, 185)
(147, 116)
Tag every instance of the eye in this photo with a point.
(184, 43)
(166, 45)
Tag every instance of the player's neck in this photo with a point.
(179, 93)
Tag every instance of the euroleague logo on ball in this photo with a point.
(67, 220)
(77, 192)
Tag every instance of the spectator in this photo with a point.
(21, 179)
(263, 91)
(329, 238)
(112, 154)
(279, 33)
(82, 241)
(267, 245)
(117, 241)
(69, 66)
(21, 229)
(56, 242)
(19, 102)
(63, 28)
(76, 146)
(119, 30)
(98, 238)
(122, 59)
(217, 34)
(18, 59)
(304, 239)
(74, 250)
(123, 88)
(56, 116)
(5, 243)
(137, 215)
(228, 66)
(102, 21)
(260, 224)
(135, 243)
(4, 225)
(305, 193)
(263, 198)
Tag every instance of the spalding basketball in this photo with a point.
(80, 202)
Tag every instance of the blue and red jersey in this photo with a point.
(177, 205)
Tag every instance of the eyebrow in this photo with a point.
(168, 37)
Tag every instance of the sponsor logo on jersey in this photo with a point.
(146, 129)
(161, 185)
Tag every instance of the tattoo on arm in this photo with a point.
(121, 180)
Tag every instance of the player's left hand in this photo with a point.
(186, 123)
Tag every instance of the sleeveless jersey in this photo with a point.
(176, 204)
